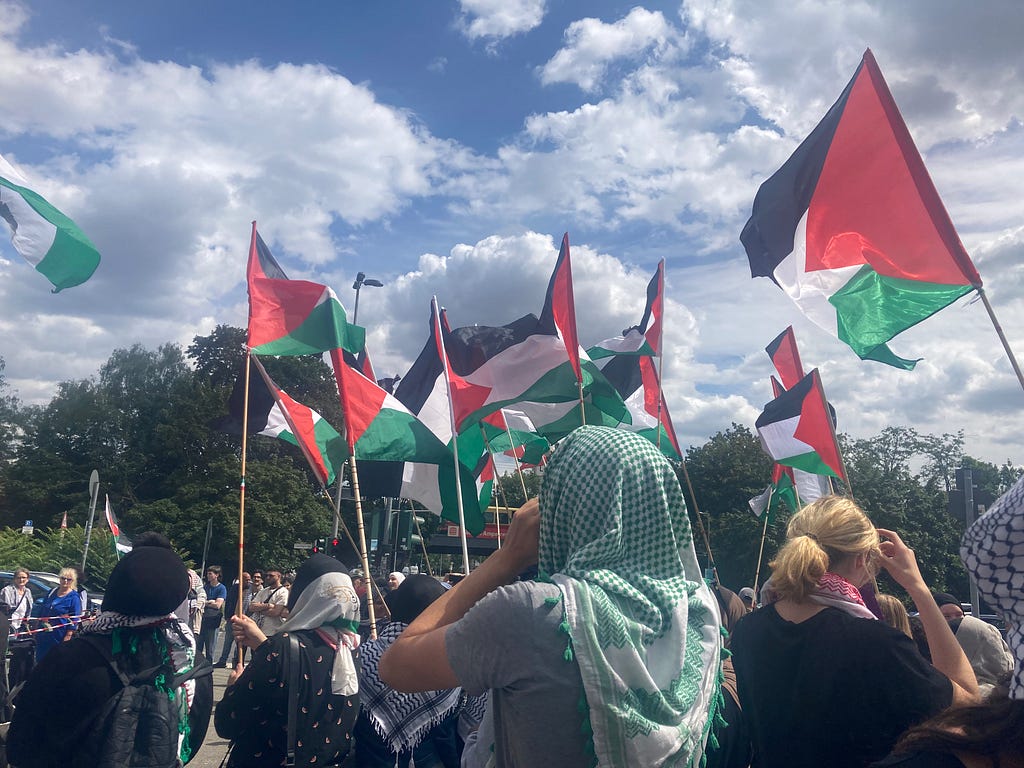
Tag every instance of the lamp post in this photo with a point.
(360, 281)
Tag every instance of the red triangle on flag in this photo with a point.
(815, 427)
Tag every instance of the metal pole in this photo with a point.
(94, 489)
(1002, 336)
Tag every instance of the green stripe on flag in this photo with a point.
(324, 329)
(72, 258)
(808, 462)
(872, 308)
(399, 436)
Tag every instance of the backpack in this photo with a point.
(137, 726)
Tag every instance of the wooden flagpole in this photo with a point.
(1002, 336)
(364, 556)
(700, 524)
(352, 541)
(583, 408)
(455, 435)
(241, 493)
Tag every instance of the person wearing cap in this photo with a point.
(749, 598)
(949, 605)
(74, 681)
(324, 617)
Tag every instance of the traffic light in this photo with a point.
(333, 550)
(319, 545)
(415, 527)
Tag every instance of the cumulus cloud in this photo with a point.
(680, 119)
(590, 45)
(497, 19)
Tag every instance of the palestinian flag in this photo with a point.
(273, 413)
(650, 324)
(378, 427)
(424, 393)
(779, 492)
(559, 310)
(293, 317)
(42, 235)
(852, 228)
(122, 544)
(786, 358)
(633, 375)
(796, 430)
(514, 433)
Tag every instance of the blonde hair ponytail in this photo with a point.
(818, 537)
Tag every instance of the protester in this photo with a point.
(324, 617)
(213, 612)
(951, 608)
(269, 607)
(749, 598)
(230, 609)
(395, 579)
(621, 599)
(17, 601)
(821, 681)
(392, 726)
(64, 715)
(730, 747)
(990, 733)
(985, 649)
(61, 613)
(894, 613)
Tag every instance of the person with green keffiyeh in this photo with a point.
(612, 656)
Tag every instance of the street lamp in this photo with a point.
(361, 280)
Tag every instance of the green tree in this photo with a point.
(725, 473)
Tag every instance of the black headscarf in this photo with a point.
(413, 596)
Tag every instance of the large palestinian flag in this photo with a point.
(796, 429)
(852, 228)
(293, 317)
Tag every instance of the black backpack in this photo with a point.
(137, 727)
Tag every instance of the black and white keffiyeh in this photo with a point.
(401, 719)
(993, 552)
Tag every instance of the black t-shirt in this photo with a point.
(834, 690)
(254, 711)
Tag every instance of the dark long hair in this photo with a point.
(992, 728)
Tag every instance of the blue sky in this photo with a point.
(443, 147)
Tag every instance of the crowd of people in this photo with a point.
(591, 637)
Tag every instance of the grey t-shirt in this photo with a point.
(510, 643)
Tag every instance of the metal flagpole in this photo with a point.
(1002, 336)
(764, 534)
(94, 490)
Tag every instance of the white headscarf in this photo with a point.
(330, 605)
(397, 575)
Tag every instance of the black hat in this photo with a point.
(148, 581)
(311, 570)
(944, 598)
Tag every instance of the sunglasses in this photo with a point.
(65, 578)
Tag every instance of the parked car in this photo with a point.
(40, 583)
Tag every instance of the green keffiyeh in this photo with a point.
(644, 627)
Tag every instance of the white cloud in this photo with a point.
(590, 45)
(497, 19)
